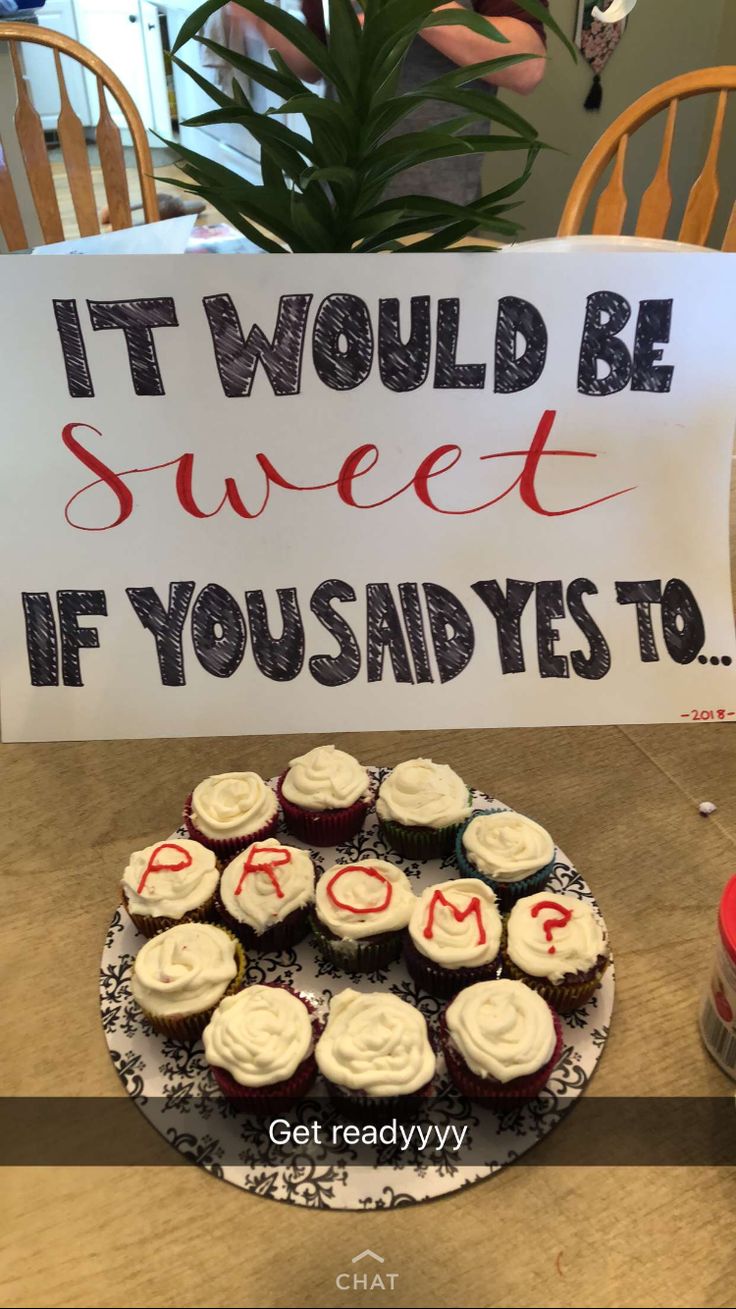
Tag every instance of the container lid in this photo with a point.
(727, 918)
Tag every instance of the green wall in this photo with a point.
(663, 38)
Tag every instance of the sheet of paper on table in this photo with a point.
(168, 237)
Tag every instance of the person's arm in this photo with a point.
(465, 47)
(298, 63)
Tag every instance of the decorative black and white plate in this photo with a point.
(170, 1082)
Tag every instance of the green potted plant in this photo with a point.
(325, 191)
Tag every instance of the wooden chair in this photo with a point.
(32, 146)
(656, 202)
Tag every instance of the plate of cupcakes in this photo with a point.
(351, 943)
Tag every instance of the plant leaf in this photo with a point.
(542, 14)
(194, 22)
(214, 92)
(261, 127)
(299, 35)
(481, 104)
(472, 72)
(254, 200)
(270, 78)
(229, 212)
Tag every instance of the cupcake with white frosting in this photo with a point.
(375, 1048)
(168, 883)
(508, 851)
(325, 795)
(557, 944)
(420, 806)
(265, 893)
(228, 811)
(501, 1041)
(360, 913)
(454, 937)
(260, 1046)
(181, 975)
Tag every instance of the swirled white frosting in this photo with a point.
(159, 882)
(507, 846)
(232, 805)
(419, 793)
(502, 1029)
(358, 900)
(184, 970)
(260, 1036)
(325, 778)
(375, 1043)
(543, 945)
(457, 924)
(252, 896)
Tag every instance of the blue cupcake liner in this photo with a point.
(507, 893)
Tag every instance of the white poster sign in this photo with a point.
(340, 492)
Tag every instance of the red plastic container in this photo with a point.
(718, 1006)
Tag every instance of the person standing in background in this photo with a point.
(434, 52)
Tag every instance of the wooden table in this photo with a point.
(622, 802)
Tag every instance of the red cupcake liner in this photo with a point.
(488, 1090)
(364, 1107)
(574, 991)
(279, 1096)
(281, 936)
(326, 827)
(228, 848)
(444, 982)
(150, 926)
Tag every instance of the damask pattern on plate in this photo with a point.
(171, 1084)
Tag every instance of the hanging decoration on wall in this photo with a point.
(597, 37)
(617, 9)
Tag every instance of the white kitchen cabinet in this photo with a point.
(226, 143)
(125, 34)
(38, 65)
(155, 69)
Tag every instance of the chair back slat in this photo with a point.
(32, 154)
(729, 240)
(76, 160)
(703, 198)
(11, 222)
(656, 202)
(612, 203)
(32, 144)
(656, 206)
(112, 162)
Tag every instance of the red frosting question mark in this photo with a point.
(561, 918)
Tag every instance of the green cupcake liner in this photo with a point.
(564, 997)
(150, 926)
(507, 893)
(418, 843)
(367, 956)
(187, 1027)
